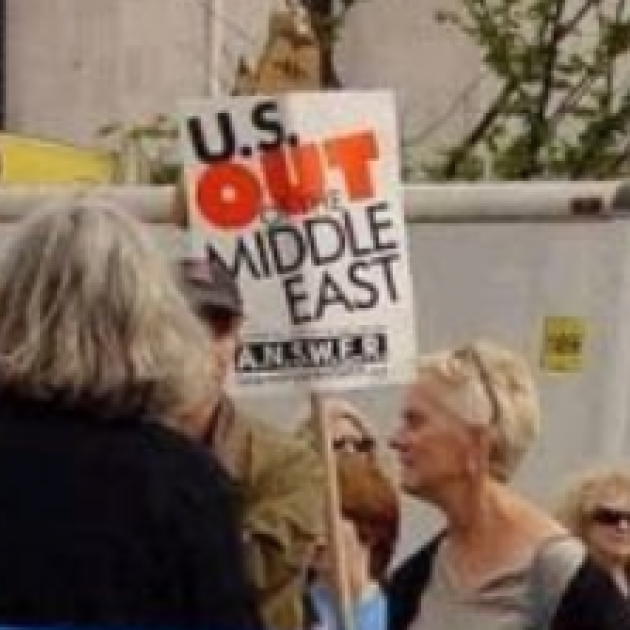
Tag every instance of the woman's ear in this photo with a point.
(483, 440)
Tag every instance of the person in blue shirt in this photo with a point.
(370, 522)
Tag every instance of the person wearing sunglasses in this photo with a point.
(596, 508)
(500, 562)
(349, 428)
(370, 516)
(280, 476)
(369, 532)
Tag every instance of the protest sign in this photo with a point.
(299, 196)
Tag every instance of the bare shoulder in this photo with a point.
(536, 525)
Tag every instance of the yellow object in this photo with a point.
(26, 160)
(563, 344)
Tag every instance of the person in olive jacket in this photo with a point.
(280, 475)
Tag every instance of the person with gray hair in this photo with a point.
(107, 517)
(468, 419)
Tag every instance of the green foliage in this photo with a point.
(562, 106)
(144, 151)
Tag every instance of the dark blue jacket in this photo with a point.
(114, 521)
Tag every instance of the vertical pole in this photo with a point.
(215, 34)
(3, 57)
(335, 543)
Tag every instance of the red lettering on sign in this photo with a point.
(229, 195)
(294, 177)
(352, 154)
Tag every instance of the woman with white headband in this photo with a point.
(500, 563)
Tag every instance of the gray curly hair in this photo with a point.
(90, 312)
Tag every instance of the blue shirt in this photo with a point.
(369, 613)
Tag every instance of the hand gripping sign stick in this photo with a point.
(333, 514)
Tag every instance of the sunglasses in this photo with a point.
(353, 445)
(610, 516)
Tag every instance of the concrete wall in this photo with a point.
(73, 65)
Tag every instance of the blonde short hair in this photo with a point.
(343, 409)
(332, 407)
(90, 313)
(583, 495)
(493, 386)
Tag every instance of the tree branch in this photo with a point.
(433, 126)
(460, 153)
(601, 134)
(619, 160)
(550, 49)
(570, 25)
(612, 61)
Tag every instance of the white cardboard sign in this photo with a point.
(299, 196)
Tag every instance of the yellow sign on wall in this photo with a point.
(563, 344)
(26, 160)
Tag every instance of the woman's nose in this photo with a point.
(395, 442)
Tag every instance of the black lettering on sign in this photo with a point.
(265, 117)
(313, 353)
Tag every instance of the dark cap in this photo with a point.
(209, 283)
